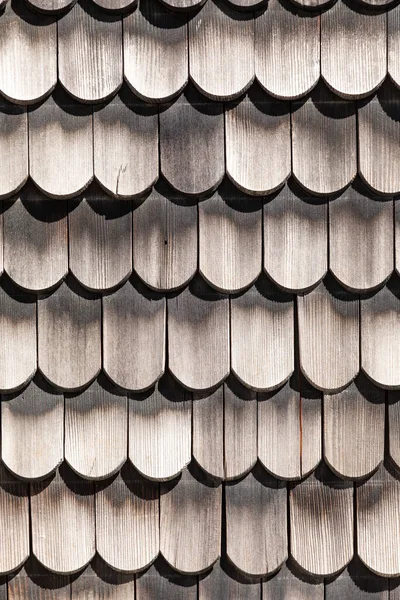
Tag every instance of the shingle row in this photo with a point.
(257, 523)
(220, 48)
(257, 142)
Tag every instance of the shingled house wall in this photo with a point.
(199, 300)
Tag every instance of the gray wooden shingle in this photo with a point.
(190, 511)
(14, 522)
(100, 241)
(262, 329)
(353, 50)
(89, 54)
(134, 337)
(358, 583)
(96, 431)
(117, 6)
(240, 431)
(69, 344)
(33, 581)
(35, 240)
(230, 240)
(50, 6)
(155, 52)
(160, 431)
(393, 41)
(218, 584)
(208, 432)
(127, 523)
(129, 132)
(289, 586)
(221, 47)
(156, 585)
(258, 157)
(103, 583)
(287, 42)
(256, 528)
(13, 148)
(36, 417)
(394, 427)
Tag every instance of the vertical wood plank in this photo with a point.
(13, 147)
(208, 432)
(159, 583)
(33, 581)
(286, 585)
(240, 430)
(99, 582)
(218, 584)
(14, 522)
(357, 582)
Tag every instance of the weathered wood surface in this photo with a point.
(14, 522)
(359, 583)
(61, 146)
(33, 581)
(159, 585)
(165, 241)
(134, 337)
(254, 126)
(198, 336)
(28, 49)
(219, 584)
(105, 584)
(35, 240)
(69, 344)
(160, 431)
(393, 40)
(240, 431)
(295, 239)
(32, 431)
(156, 51)
(63, 523)
(208, 432)
(285, 585)
(89, 54)
(321, 517)
(287, 42)
(100, 241)
(262, 329)
(190, 530)
(192, 130)
(221, 47)
(354, 429)
(324, 128)
(50, 6)
(96, 431)
(360, 240)
(394, 427)
(128, 129)
(353, 50)
(127, 522)
(328, 331)
(256, 532)
(118, 6)
(230, 240)
(13, 147)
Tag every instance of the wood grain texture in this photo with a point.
(155, 52)
(14, 522)
(240, 431)
(311, 428)
(100, 241)
(183, 5)
(324, 128)
(156, 584)
(295, 239)
(287, 586)
(378, 140)
(397, 236)
(96, 431)
(230, 240)
(35, 416)
(221, 47)
(134, 337)
(254, 125)
(60, 146)
(100, 582)
(287, 41)
(190, 524)
(321, 523)
(160, 431)
(311, 4)
(63, 523)
(198, 336)
(208, 432)
(378, 507)
(127, 527)
(360, 227)
(328, 331)
(17, 338)
(393, 41)
(165, 240)
(28, 50)
(353, 50)
(354, 429)
(69, 344)
(256, 527)
(33, 581)
(125, 146)
(90, 54)
(394, 427)
(380, 328)
(262, 329)
(218, 584)
(192, 130)
(52, 7)
(357, 582)
(117, 6)
(13, 147)
(35, 240)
